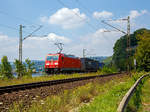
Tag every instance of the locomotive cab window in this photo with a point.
(54, 58)
(62, 58)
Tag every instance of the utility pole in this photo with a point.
(128, 44)
(128, 39)
(20, 44)
(22, 39)
(84, 53)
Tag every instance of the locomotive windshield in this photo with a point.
(50, 58)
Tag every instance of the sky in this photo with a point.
(75, 23)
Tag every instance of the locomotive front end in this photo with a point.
(52, 63)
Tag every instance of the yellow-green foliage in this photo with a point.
(107, 70)
(27, 79)
(5, 68)
(143, 51)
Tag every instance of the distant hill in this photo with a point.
(98, 58)
(107, 60)
(39, 65)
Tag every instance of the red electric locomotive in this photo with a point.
(62, 63)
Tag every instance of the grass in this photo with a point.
(104, 97)
(108, 102)
(26, 79)
(145, 98)
(30, 79)
(14, 81)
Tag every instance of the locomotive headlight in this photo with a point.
(47, 63)
(55, 63)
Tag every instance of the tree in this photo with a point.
(29, 66)
(120, 50)
(20, 68)
(5, 68)
(24, 69)
(143, 51)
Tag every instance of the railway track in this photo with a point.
(8, 89)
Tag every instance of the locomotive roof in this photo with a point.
(66, 55)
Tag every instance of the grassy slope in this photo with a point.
(109, 101)
(108, 96)
(145, 98)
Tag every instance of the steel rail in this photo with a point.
(6, 89)
(126, 98)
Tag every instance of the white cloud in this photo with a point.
(134, 13)
(100, 43)
(66, 18)
(8, 46)
(3, 37)
(53, 38)
(103, 14)
(34, 48)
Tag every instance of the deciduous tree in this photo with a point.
(5, 68)
(20, 68)
(143, 51)
(29, 66)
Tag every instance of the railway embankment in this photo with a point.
(26, 79)
(26, 99)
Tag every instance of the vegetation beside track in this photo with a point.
(145, 98)
(108, 102)
(30, 79)
(26, 79)
(71, 100)
(140, 100)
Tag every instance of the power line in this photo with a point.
(19, 18)
(32, 33)
(89, 13)
(93, 27)
(87, 10)
(83, 6)
(114, 27)
(10, 27)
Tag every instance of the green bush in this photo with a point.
(107, 70)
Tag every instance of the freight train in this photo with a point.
(62, 63)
